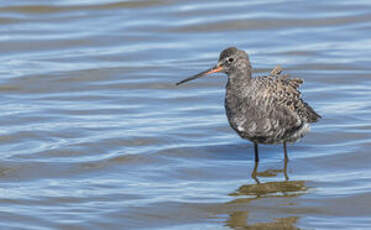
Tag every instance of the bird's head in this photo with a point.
(231, 60)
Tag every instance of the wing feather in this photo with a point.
(280, 106)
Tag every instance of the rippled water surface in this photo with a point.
(95, 135)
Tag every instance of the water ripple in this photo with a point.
(95, 134)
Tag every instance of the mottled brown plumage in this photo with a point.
(265, 109)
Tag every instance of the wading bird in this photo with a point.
(265, 109)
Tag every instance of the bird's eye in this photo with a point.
(230, 59)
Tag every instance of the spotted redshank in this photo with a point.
(265, 109)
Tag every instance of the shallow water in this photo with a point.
(95, 135)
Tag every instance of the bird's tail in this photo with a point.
(312, 116)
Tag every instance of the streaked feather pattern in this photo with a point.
(270, 109)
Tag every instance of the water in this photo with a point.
(95, 135)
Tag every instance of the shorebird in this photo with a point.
(264, 109)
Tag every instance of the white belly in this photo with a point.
(299, 133)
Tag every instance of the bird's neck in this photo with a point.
(240, 73)
(239, 80)
(237, 89)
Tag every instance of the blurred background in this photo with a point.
(95, 135)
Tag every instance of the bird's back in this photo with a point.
(271, 109)
(284, 90)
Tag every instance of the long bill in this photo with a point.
(215, 69)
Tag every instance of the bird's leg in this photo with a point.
(254, 172)
(285, 151)
(285, 170)
(256, 152)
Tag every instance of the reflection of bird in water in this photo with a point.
(263, 194)
(239, 220)
(273, 187)
(264, 110)
(255, 172)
